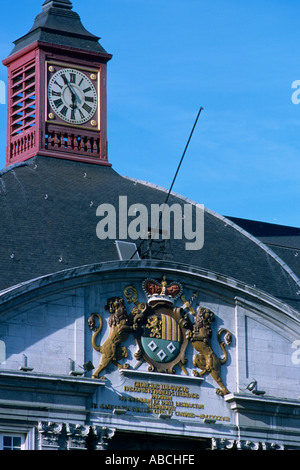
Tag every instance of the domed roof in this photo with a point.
(48, 211)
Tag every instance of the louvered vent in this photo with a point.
(23, 109)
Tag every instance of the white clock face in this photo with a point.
(72, 96)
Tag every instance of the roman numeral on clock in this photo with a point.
(87, 108)
(58, 103)
(72, 78)
(64, 111)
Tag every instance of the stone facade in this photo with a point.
(175, 347)
(48, 390)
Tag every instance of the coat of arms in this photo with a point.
(162, 332)
(162, 329)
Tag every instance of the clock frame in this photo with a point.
(72, 95)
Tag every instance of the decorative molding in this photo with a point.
(26, 380)
(49, 435)
(104, 435)
(70, 436)
(77, 436)
(135, 374)
(240, 400)
(14, 296)
(232, 444)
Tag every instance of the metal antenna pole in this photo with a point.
(183, 155)
(174, 179)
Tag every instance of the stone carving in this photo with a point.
(77, 436)
(162, 332)
(160, 328)
(49, 435)
(232, 444)
(120, 328)
(155, 325)
(70, 436)
(163, 291)
(222, 444)
(104, 435)
(206, 359)
(161, 338)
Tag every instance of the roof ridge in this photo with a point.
(228, 222)
(12, 167)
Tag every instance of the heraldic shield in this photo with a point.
(163, 339)
(162, 333)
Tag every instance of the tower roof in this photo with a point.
(59, 24)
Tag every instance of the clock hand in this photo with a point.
(73, 98)
(73, 94)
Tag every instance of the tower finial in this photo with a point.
(57, 3)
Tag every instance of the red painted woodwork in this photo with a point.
(29, 130)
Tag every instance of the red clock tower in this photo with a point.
(57, 90)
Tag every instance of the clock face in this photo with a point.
(72, 96)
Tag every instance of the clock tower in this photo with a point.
(57, 90)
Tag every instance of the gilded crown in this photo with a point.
(161, 292)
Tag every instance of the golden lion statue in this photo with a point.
(207, 360)
(120, 328)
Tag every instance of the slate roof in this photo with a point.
(48, 224)
(58, 24)
(283, 240)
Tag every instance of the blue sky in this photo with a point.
(236, 58)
